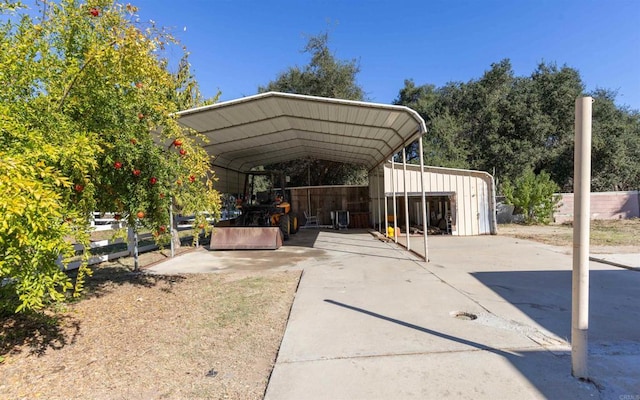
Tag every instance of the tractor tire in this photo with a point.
(285, 226)
(293, 224)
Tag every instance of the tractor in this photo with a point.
(267, 208)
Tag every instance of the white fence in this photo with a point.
(110, 224)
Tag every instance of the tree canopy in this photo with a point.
(507, 125)
(324, 76)
(87, 125)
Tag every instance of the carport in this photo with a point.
(277, 127)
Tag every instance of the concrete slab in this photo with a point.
(298, 254)
(372, 321)
(456, 375)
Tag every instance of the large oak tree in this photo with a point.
(324, 76)
(508, 125)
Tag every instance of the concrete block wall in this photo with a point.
(604, 205)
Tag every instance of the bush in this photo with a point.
(534, 194)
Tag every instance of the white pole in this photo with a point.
(424, 200)
(386, 202)
(308, 191)
(378, 201)
(395, 211)
(173, 247)
(406, 196)
(581, 220)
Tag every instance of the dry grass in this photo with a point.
(604, 233)
(212, 336)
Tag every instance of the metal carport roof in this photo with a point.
(276, 127)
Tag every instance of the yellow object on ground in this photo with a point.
(390, 231)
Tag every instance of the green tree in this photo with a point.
(533, 194)
(507, 124)
(556, 90)
(87, 118)
(615, 150)
(444, 144)
(324, 76)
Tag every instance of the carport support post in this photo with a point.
(386, 202)
(406, 196)
(395, 210)
(581, 220)
(378, 200)
(424, 199)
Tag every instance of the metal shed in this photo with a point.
(462, 200)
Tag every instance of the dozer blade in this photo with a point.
(246, 238)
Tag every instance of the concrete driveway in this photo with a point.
(488, 317)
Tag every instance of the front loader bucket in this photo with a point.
(246, 238)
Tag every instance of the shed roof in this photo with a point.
(275, 127)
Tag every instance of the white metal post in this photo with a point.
(386, 203)
(581, 221)
(378, 199)
(173, 249)
(424, 199)
(406, 196)
(395, 210)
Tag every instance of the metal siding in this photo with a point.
(399, 183)
(433, 182)
(461, 211)
(479, 197)
(473, 205)
(414, 186)
(486, 226)
(464, 222)
(472, 197)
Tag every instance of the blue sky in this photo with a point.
(238, 45)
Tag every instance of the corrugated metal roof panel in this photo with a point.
(275, 127)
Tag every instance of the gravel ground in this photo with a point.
(137, 336)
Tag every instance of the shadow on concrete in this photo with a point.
(470, 343)
(614, 320)
(548, 372)
(303, 238)
(545, 296)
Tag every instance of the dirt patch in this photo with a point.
(135, 335)
(606, 236)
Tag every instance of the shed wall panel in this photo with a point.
(471, 194)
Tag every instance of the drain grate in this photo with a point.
(463, 315)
